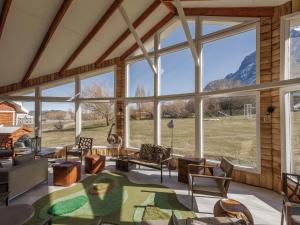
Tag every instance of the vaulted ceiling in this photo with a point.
(40, 37)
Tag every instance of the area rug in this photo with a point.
(112, 197)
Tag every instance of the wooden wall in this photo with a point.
(270, 176)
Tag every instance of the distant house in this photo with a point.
(12, 117)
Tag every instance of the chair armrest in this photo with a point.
(211, 177)
(133, 153)
(166, 160)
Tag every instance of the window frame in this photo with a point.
(199, 95)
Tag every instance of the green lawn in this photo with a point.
(233, 137)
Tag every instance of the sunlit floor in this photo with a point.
(264, 205)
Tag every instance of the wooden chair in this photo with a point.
(6, 148)
(84, 147)
(216, 184)
(291, 199)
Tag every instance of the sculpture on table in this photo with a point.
(114, 140)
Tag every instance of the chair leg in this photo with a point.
(192, 199)
(161, 175)
(282, 216)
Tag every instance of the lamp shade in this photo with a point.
(171, 124)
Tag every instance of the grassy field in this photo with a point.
(233, 137)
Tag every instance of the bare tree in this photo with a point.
(99, 109)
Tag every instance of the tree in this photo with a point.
(99, 109)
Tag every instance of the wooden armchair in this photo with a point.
(291, 199)
(216, 184)
(6, 148)
(84, 147)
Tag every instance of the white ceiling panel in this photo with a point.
(23, 33)
(111, 30)
(126, 44)
(77, 22)
(157, 16)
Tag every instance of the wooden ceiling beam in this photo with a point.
(149, 34)
(55, 23)
(126, 33)
(231, 11)
(91, 34)
(170, 6)
(4, 13)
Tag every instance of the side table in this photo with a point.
(183, 163)
(122, 164)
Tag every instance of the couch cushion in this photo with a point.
(204, 184)
(146, 152)
(23, 159)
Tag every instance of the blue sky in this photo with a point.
(220, 58)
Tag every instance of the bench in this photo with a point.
(152, 156)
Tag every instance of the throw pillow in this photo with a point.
(145, 152)
(23, 159)
(173, 220)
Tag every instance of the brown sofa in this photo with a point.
(152, 156)
(26, 173)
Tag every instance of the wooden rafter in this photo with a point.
(170, 6)
(4, 13)
(55, 23)
(149, 34)
(92, 33)
(187, 31)
(231, 11)
(137, 38)
(126, 33)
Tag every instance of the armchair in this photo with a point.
(84, 147)
(291, 199)
(216, 184)
(6, 148)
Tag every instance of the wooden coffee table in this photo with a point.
(234, 209)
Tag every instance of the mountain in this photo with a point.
(245, 75)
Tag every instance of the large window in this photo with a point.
(177, 73)
(140, 79)
(141, 125)
(97, 118)
(205, 124)
(294, 49)
(98, 86)
(182, 136)
(58, 124)
(60, 90)
(229, 127)
(230, 62)
(294, 119)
